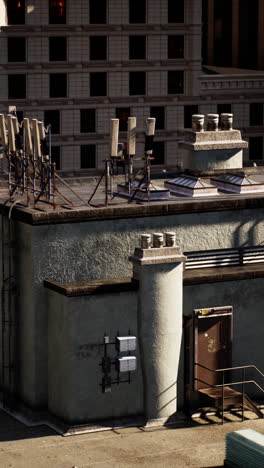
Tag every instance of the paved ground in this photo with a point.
(199, 446)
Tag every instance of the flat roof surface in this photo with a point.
(200, 444)
(71, 202)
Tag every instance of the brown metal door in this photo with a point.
(213, 329)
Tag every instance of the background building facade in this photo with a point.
(78, 64)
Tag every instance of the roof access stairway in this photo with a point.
(223, 397)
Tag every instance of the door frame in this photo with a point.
(198, 314)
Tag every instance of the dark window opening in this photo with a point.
(56, 156)
(158, 152)
(88, 156)
(175, 47)
(98, 84)
(159, 113)
(16, 11)
(52, 117)
(175, 11)
(255, 148)
(58, 85)
(224, 109)
(98, 11)
(16, 49)
(248, 34)
(137, 83)
(20, 116)
(175, 82)
(87, 120)
(98, 48)
(16, 86)
(122, 113)
(137, 11)
(204, 32)
(223, 33)
(57, 11)
(256, 113)
(137, 47)
(57, 49)
(189, 111)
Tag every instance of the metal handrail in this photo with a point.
(231, 383)
(224, 384)
(251, 366)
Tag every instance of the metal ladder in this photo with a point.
(8, 315)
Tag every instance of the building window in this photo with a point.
(159, 113)
(17, 86)
(188, 113)
(16, 49)
(175, 11)
(58, 85)
(224, 109)
(58, 49)
(175, 47)
(52, 117)
(158, 152)
(87, 121)
(256, 113)
(255, 148)
(248, 24)
(122, 113)
(137, 83)
(137, 47)
(56, 156)
(98, 84)
(88, 156)
(137, 11)
(98, 48)
(222, 37)
(57, 11)
(175, 82)
(16, 11)
(98, 11)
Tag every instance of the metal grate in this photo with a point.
(224, 257)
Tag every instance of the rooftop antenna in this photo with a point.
(149, 140)
(131, 147)
(3, 133)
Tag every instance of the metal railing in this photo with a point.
(228, 384)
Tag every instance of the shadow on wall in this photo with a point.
(252, 235)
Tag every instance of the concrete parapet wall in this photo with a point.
(100, 249)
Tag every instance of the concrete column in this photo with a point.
(159, 271)
(211, 39)
(235, 32)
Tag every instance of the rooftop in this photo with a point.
(71, 201)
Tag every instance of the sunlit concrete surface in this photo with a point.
(201, 445)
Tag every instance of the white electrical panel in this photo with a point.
(127, 363)
(126, 343)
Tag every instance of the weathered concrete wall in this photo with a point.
(100, 249)
(246, 297)
(76, 335)
(212, 159)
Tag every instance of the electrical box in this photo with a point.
(126, 343)
(127, 363)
